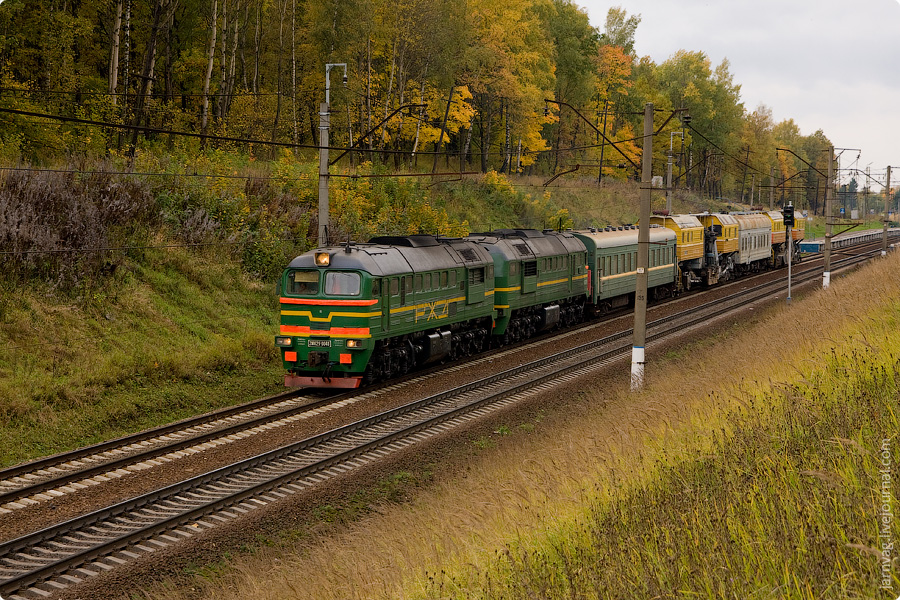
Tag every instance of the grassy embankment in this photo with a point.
(751, 466)
(177, 334)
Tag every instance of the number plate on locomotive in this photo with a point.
(319, 343)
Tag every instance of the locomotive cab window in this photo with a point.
(338, 283)
(304, 283)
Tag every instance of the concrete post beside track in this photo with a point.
(324, 119)
(887, 210)
(643, 256)
(829, 220)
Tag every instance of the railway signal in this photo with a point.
(788, 212)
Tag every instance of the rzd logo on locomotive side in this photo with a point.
(439, 309)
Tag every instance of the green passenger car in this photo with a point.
(612, 259)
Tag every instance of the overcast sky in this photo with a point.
(832, 65)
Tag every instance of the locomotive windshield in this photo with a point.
(304, 283)
(338, 283)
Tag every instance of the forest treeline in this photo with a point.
(430, 85)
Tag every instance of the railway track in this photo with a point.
(49, 560)
(51, 473)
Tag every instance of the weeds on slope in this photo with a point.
(787, 502)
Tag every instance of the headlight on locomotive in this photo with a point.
(355, 344)
(283, 341)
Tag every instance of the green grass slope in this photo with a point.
(174, 335)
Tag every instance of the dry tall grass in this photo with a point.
(534, 492)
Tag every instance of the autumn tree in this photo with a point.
(713, 100)
(574, 48)
(509, 71)
(619, 29)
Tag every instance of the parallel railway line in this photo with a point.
(39, 563)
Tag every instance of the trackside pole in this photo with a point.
(324, 124)
(637, 369)
(643, 256)
(829, 192)
(887, 209)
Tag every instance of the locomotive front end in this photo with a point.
(328, 310)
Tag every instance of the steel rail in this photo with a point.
(87, 451)
(145, 455)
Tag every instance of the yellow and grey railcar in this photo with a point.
(779, 234)
(690, 245)
(754, 242)
(722, 244)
